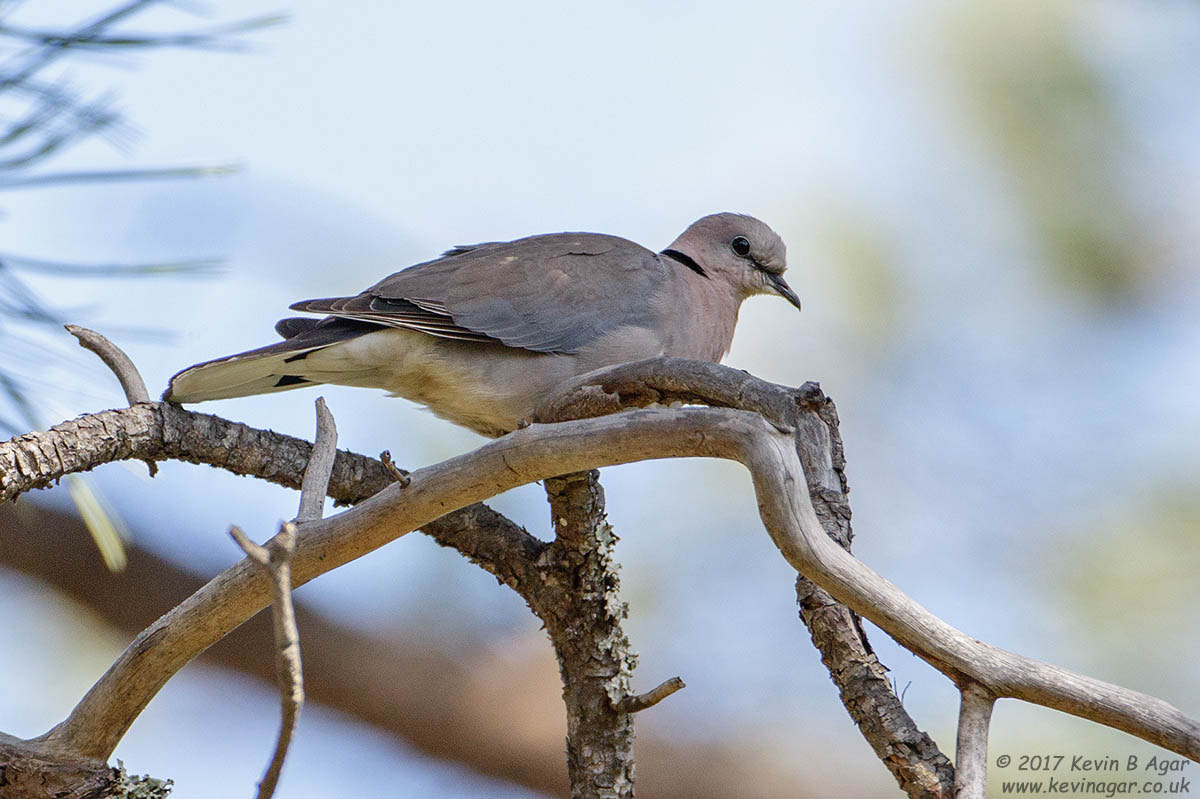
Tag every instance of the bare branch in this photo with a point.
(398, 474)
(541, 451)
(974, 718)
(920, 768)
(451, 702)
(275, 559)
(30, 773)
(579, 600)
(256, 552)
(121, 365)
(161, 431)
(320, 466)
(116, 359)
(636, 704)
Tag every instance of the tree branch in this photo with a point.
(638, 703)
(974, 718)
(275, 557)
(579, 601)
(920, 768)
(161, 431)
(541, 451)
(315, 484)
(501, 716)
(116, 360)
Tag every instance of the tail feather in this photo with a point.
(295, 325)
(276, 367)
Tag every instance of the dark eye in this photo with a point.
(740, 246)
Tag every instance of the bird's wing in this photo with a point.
(553, 293)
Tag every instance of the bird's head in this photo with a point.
(739, 250)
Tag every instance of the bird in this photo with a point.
(483, 334)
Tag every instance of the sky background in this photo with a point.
(990, 212)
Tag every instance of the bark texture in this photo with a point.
(37, 775)
(498, 716)
(784, 451)
(916, 762)
(583, 616)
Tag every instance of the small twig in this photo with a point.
(258, 553)
(974, 717)
(275, 556)
(114, 358)
(634, 704)
(398, 474)
(120, 364)
(320, 466)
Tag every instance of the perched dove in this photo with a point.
(483, 334)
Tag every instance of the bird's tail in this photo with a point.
(276, 367)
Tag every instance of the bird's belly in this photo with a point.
(487, 388)
(489, 395)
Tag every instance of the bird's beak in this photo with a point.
(781, 288)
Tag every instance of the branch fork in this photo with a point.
(800, 489)
(275, 558)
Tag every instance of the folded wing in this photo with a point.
(552, 293)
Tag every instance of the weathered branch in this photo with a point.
(640, 702)
(275, 557)
(497, 715)
(920, 768)
(121, 365)
(315, 484)
(398, 474)
(541, 451)
(974, 718)
(31, 773)
(116, 360)
(578, 599)
(794, 526)
(160, 431)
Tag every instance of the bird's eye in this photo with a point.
(740, 246)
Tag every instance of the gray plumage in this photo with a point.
(484, 333)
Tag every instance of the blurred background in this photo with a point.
(991, 215)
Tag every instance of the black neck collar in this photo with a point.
(686, 260)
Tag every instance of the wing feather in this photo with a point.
(553, 293)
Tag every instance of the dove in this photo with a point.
(484, 333)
